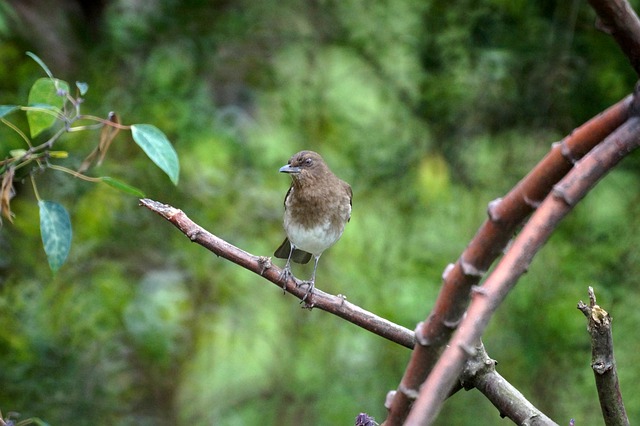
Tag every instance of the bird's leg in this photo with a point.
(312, 281)
(286, 271)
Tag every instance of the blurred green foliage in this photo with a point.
(430, 109)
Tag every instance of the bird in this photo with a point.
(316, 209)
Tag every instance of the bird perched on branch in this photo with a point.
(316, 209)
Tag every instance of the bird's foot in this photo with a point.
(284, 277)
(310, 286)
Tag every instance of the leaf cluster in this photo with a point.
(52, 110)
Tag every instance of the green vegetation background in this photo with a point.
(430, 109)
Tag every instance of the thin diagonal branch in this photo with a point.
(262, 266)
(486, 299)
(603, 362)
(489, 242)
(484, 381)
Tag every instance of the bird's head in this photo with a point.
(305, 164)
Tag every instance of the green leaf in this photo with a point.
(7, 109)
(45, 93)
(41, 63)
(158, 148)
(83, 87)
(117, 184)
(17, 153)
(55, 228)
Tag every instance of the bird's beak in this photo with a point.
(289, 169)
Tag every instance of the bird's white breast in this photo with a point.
(315, 239)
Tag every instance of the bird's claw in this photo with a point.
(310, 285)
(284, 277)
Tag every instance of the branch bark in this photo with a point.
(480, 373)
(487, 298)
(505, 216)
(262, 266)
(603, 362)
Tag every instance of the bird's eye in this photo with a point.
(308, 162)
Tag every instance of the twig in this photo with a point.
(603, 362)
(617, 18)
(262, 266)
(505, 216)
(553, 209)
(480, 373)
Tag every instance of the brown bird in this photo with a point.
(316, 209)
